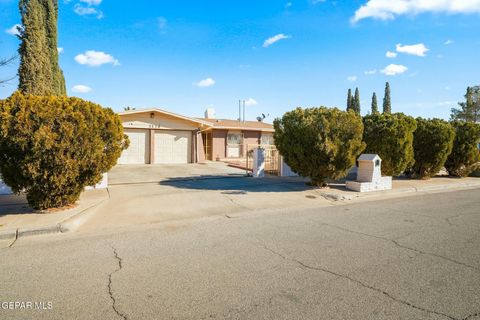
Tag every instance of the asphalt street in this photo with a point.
(407, 258)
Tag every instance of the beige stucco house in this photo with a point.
(162, 137)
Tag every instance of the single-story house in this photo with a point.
(162, 137)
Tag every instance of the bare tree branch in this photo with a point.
(4, 62)
(7, 61)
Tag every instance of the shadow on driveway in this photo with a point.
(240, 185)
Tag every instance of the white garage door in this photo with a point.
(138, 151)
(173, 147)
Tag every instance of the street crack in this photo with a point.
(360, 283)
(396, 243)
(110, 290)
(472, 316)
(235, 203)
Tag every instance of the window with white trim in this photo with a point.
(267, 139)
(234, 138)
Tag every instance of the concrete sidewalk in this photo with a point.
(17, 219)
(174, 200)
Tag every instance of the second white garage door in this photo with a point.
(173, 147)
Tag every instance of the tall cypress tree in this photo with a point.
(356, 101)
(39, 71)
(387, 102)
(51, 9)
(349, 100)
(374, 104)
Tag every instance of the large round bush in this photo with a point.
(53, 147)
(319, 143)
(391, 137)
(432, 144)
(465, 153)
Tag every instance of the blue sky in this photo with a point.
(185, 56)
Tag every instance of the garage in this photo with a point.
(138, 150)
(161, 137)
(173, 147)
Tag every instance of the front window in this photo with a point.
(234, 139)
(267, 139)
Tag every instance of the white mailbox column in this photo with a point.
(369, 175)
(259, 163)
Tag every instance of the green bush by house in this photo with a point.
(53, 147)
(391, 137)
(432, 144)
(465, 154)
(319, 143)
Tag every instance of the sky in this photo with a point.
(186, 56)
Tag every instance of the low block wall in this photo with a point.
(383, 183)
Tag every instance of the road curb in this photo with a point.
(67, 225)
(8, 234)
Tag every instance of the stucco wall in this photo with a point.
(219, 144)
(251, 137)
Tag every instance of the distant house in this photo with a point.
(162, 137)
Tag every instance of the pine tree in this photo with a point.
(349, 100)
(356, 101)
(39, 71)
(469, 110)
(374, 104)
(387, 103)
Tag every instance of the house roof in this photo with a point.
(172, 114)
(369, 157)
(214, 123)
(239, 125)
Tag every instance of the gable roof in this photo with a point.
(239, 125)
(369, 157)
(172, 114)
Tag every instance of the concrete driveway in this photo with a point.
(138, 174)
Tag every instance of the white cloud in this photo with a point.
(390, 9)
(94, 58)
(391, 54)
(267, 43)
(394, 69)
(370, 72)
(205, 83)
(80, 88)
(418, 50)
(60, 50)
(14, 30)
(352, 78)
(447, 103)
(92, 2)
(87, 11)
(251, 102)
(87, 8)
(449, 41)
